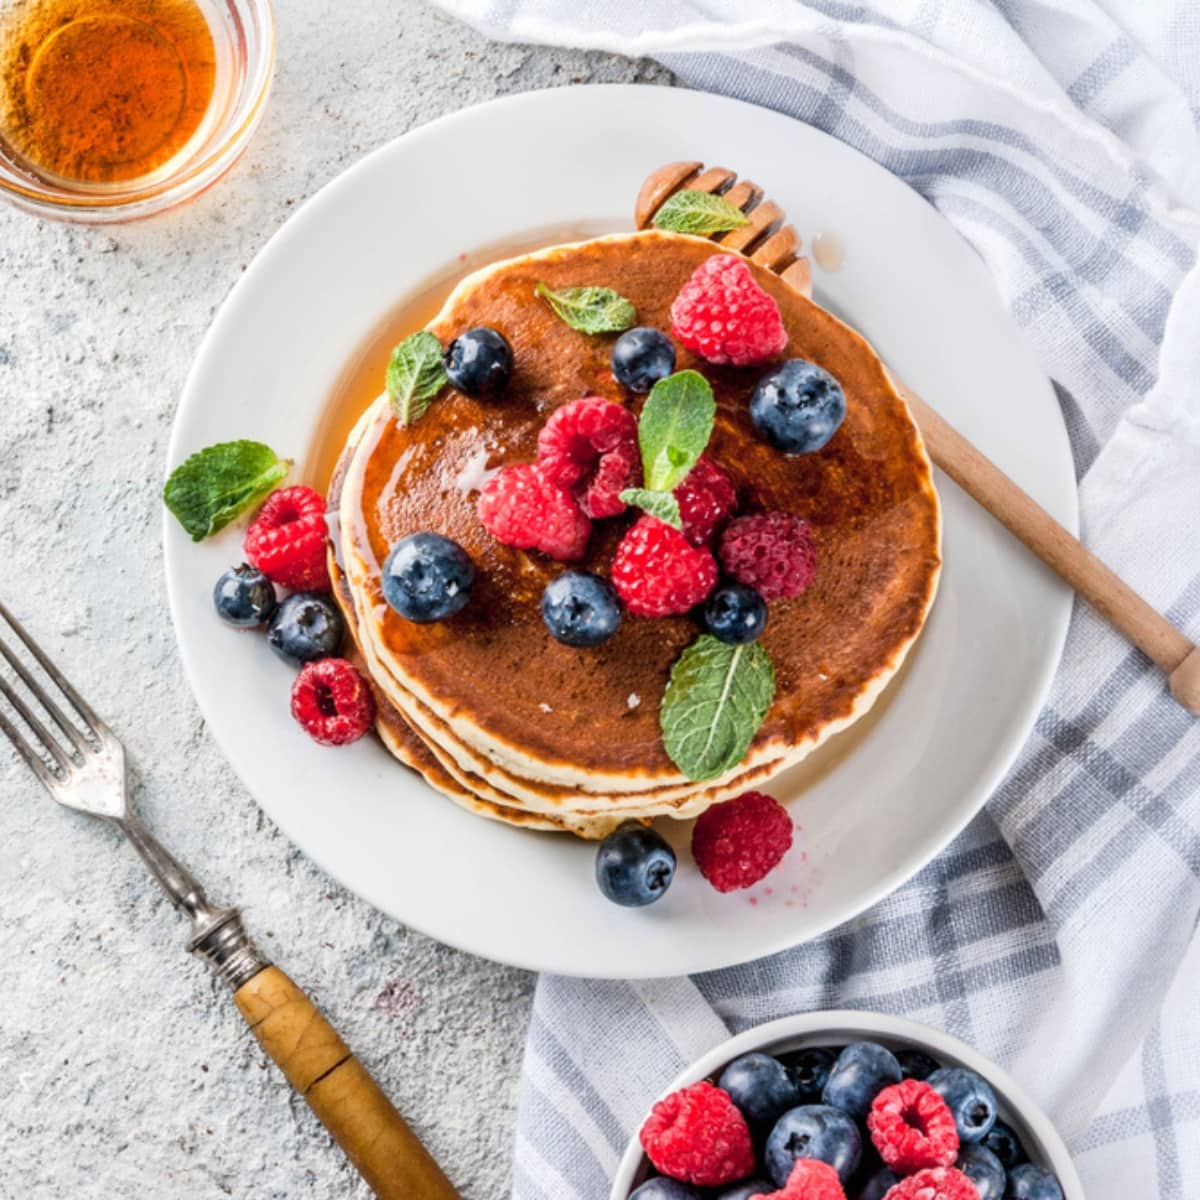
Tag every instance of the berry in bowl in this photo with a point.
(845, 1106)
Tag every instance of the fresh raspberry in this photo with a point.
(697, 1135)
(657, 571)
(722, 315)
(937, 1183)
(521, 508)
(330, 698)
(739, 842)
(770, 552)
(590, 448)
(706, 497)
(811, 1179)
(912, 1127)
(287, 540)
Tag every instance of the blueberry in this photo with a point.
(735, 614)
(747, 1190)
(479, 362)
(983, 1169)
(662, 1188)
(1005, 1145)
(641, 357)
(915, 1064)
(810, 1069)
(305, 627)
(581, 609)
(1028, 1182)
(760, 1086)
(970, 1098)
(245, 597)
(862, 1071)
(797, 407)
(813, 1131)
(878, 1185)
(634, 866)
(427, 577)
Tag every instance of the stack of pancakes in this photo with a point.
(505, 720)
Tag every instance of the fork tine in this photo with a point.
(49, 780)
(93, 722)
(30, 718)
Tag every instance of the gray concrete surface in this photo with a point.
(126, 1072)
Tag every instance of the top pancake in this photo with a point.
(589, 718)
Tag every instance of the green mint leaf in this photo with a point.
(674, 428)
(701, 213)
(415, 375)
(714, 704)
(662, 505)
(217, 484)
(590, 309)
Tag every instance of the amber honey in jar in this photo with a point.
(103, 91)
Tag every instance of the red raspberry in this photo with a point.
(521, 508)
(810, 1179)
(697, 1135)
(739, 842)
(331, 699)
(590, 448)
(706, 497)
(912, 1127)
(937, 1183)
(657, 571)
(287, 540)
(722, 315)
(771, 552)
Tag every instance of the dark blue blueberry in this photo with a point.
(984, 1170)
(748, 1190)
(797, 407)
(245, 597)
(970, 1099)
(479, 362)
(1028, 1182)
(915, 1064)
(662, 1188)
(305, 627)
(810, 1069)
(760, 1086)
(735, 613)
(427, 577)
(1005, 1145)
(581, 609)
(878, 1185)
(641, 357)
(634, 866)
(813, 1131)
(862, 1071)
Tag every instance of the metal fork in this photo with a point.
(84, 769)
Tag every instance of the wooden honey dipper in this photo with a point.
(771, 243)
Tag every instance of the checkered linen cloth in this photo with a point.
(1057, 933)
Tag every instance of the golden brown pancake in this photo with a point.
(490, 689)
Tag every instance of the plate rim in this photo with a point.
(1005, 749)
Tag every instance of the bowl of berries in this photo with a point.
(845, 1105)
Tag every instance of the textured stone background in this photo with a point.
(126, 1072)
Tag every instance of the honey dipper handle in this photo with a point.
(338, 1089)
(1110, 595)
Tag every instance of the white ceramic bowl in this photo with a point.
(842, 1026)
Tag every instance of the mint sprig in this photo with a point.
(674, 428)
(715, 702)
(590, 309)
(702, 213)
(662, 505)
(415, 375)
(214, 485)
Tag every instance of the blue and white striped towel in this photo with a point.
(1057, 933)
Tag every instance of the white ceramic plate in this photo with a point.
(840, 1027)
(949, 726)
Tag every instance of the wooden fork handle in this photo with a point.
(1110, 595)
(348, 1102)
